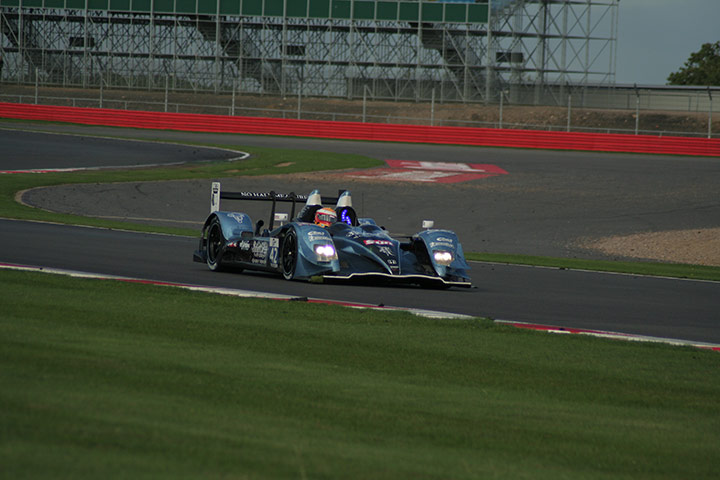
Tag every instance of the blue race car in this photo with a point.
(327, 243)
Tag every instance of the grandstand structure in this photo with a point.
(466, 51)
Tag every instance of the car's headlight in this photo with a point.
(443, 257)
(325, 252)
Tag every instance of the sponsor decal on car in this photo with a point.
(372, 241)
(255, 194)
(274, 244)
(238, 217)
(385, 250)
(260, 252)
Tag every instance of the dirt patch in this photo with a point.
(697, 246)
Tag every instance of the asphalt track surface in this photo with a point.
(24, 150)
(659, 307)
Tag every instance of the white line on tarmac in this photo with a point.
(230, 291)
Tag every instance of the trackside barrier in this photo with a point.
(489, 137)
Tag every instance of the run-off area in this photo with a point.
(434, 172)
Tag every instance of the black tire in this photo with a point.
(214, 244)
(289, 254)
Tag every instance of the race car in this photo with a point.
(327, 243)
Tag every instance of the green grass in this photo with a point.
(106, 379)
(696, 272)
(264, 161)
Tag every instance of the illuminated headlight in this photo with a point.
(325, 252)
(443, 257)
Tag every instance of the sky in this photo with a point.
(656, 37)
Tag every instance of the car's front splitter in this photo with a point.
(397, 279)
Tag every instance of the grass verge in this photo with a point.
(677, 270)
(107, 379)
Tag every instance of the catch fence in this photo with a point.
(662, 111)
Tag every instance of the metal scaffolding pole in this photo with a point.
(401, 50)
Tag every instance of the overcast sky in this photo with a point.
(656, 37)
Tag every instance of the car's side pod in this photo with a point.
(310, 263)
(440, 243)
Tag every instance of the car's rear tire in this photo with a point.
(214, 244)
(289, 254)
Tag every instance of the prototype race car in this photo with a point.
(327, 243)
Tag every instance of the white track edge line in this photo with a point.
(242, 156)
(601, 272)
(231, 291)
(611, 335)
(414, 311)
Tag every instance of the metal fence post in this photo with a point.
(167, 84)
(569, 111)
(364, 110)
(432, 108)
(232, 110)
(501, 110)
(710, 114)
(637, 110)
(36, 86)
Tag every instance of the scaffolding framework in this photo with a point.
(403, 50)
(554, 47)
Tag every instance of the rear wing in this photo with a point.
(216, 194)
(272, 196)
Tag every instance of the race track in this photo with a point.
(24, 150)
(547, 199)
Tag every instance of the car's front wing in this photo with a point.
(380, 277)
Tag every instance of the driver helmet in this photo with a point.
(325, 217)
